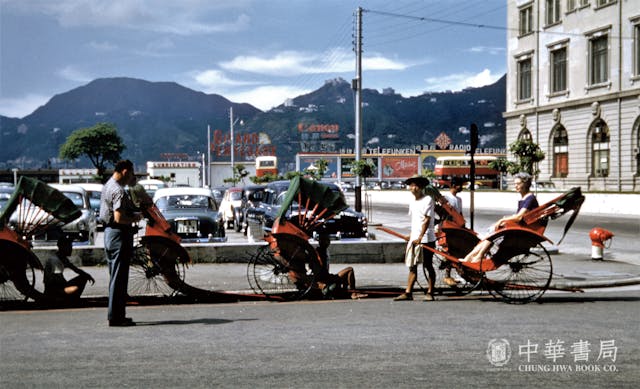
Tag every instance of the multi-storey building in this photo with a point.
(573, 87)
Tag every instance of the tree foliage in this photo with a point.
(320, 167)
(527, 153)
(239, 174)
(100, 143)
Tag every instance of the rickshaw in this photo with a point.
(517, 267)
(159, 261)
(33, 208)
(157, 267)
(286, 267)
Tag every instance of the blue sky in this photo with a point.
(258, 52)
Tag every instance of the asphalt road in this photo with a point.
(580, 341)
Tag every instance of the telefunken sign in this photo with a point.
(424, 148)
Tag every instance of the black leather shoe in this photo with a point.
(126, 322)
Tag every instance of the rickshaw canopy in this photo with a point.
(43, 196)
(305, 190)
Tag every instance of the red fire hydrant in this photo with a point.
(599, 237)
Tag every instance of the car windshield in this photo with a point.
(94, 199)
(76, 198)
(235, 195)
(185, 201)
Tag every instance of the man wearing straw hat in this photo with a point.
(421, 211)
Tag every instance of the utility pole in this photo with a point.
(357, 86)
(209, 155)
(232, 144)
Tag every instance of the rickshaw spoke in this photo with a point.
(467, 281)
(523, 278)
(275, 272)
(155, 270)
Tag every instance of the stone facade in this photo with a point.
(573, 86)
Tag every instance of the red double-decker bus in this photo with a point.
(460, 166)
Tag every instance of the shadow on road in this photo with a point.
(206, 321)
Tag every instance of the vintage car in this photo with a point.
(192, 213)
(84, 228)
(346, 224)
(5, 194)
(95, 192)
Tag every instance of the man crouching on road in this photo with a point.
(421, 211)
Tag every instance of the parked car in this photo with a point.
(346, 224)
(231, 200)
(543, 186)
(152, 185)
(218, 193)
(192, 213)
(84, 228)
(5, 194)
(95, 192)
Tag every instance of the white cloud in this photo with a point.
(212, 80)
(21, 107)
(72, 74)
(295, 63)
(266, 97)
(456, 82)
(184, 17)
(102, 46)
(488, 50)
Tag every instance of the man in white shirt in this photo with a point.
(456, 202)
(421, 211)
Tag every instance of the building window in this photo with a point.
(598, 53)
(636, 149)
(552, 14)
(526, 20)
(636, 50)
(572, 5)
(600, 149)
(524, 79)
(559, 70)
(525, 134)
(560, 152)
(602, 3)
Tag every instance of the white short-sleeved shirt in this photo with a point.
(419, 210)
(455, 201)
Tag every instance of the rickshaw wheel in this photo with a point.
(467, 280)
(17, 283)
(156, 268)
(281, 271)
(522, 278)
(17, 273)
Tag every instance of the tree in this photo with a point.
(100, 143)
(363, 168)
(239, 174)
(527, 153)
(320, 167)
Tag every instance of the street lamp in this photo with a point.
(232, 141)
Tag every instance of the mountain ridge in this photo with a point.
(155, 118)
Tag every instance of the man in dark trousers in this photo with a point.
(117, 211)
